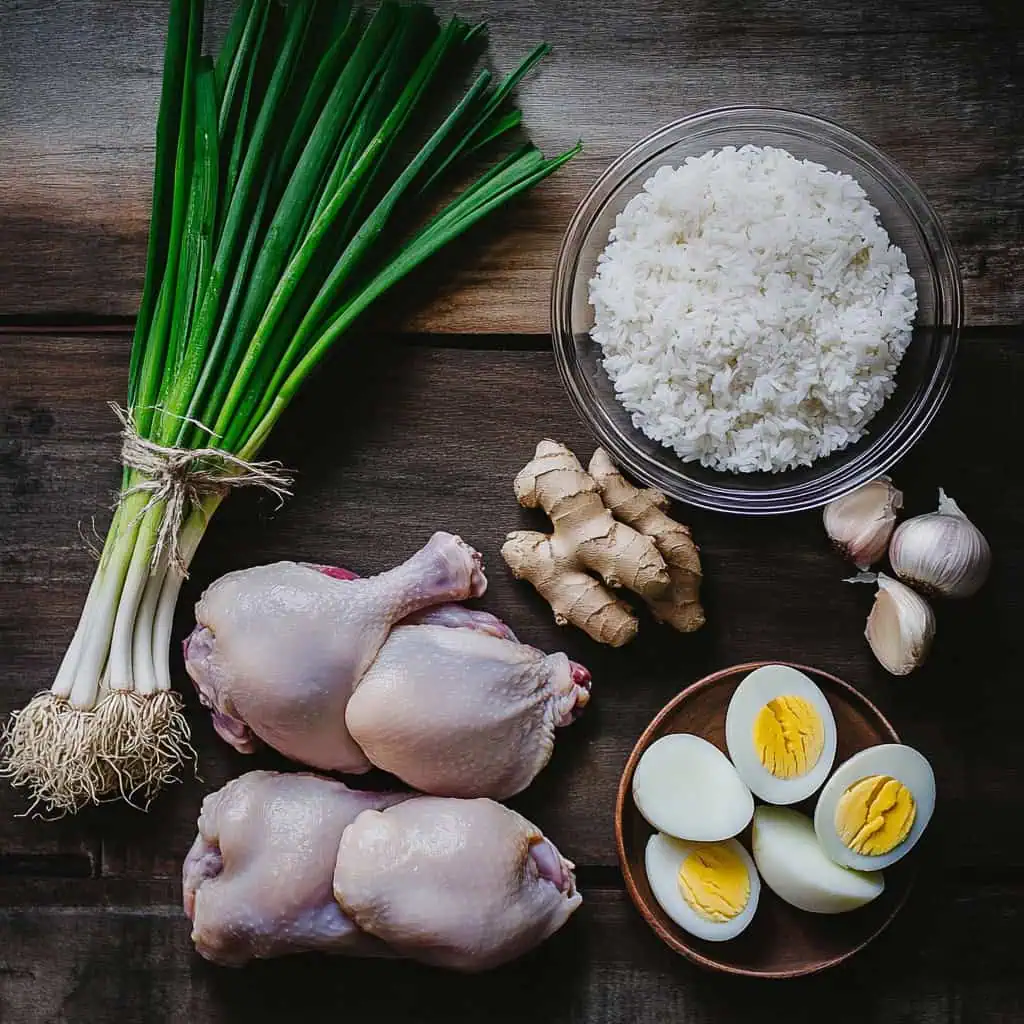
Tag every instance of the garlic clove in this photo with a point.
(860, 523)
(941, 553)
(901, 627)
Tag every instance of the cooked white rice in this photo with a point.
(751, 310)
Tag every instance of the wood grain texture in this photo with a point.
(416, 439)
(935, 85)
(117, 950)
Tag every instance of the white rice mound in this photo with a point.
(751, 310)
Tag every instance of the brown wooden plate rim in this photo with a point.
(625, 792)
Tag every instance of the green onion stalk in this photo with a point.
(288, 171)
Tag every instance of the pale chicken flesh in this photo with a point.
(279, 648)
(462, 713)
(286, 863)
(257, 880)
(342, 673)
(464, 884)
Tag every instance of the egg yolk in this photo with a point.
(789, 736)
(875, 815)
(714, 882)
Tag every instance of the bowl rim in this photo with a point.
(894, 444)
(624, 793)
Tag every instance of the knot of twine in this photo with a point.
(182, 477)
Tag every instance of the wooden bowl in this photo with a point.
(782, 941)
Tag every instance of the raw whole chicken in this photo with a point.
(466, 884)
(343, 673)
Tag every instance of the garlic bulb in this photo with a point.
(900, 628)
(942, 552)
(861, 522)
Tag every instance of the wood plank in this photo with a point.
(375, 480)
(38, 609)
(951, 957)
(937, 87)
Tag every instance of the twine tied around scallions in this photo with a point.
(180, 478)
(299, 175)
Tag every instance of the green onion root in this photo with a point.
(111, 727)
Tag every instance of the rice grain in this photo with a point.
(751, 310)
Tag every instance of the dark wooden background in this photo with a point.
(428, 434)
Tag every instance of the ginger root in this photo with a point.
(644, 510)
(603, 525)
(586, 538)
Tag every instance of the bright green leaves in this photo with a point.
(288, 175)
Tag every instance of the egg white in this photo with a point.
(793, 865)
(686, 787)
(662, 860)
(756, 690)
(893, 759)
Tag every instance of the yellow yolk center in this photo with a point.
(789, 736)
(714, 882)
(875, 815)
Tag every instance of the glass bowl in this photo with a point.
(924, 375)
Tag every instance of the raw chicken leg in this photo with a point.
(461, 883)
(454, 615)
(462, 713)
(466, 884)
(303, 657)
(257, 881)
(279, 648)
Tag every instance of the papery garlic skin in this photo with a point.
(941, 553)
(901, 627)
(860, 523)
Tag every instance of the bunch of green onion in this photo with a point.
(287, 173)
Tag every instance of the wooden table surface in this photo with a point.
(453, 397)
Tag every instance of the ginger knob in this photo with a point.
(606, 534)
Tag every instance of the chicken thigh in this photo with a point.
(460, 712)
(278, 648)
(257, 880)
(464, 884)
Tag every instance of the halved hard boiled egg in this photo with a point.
(875, 807)
(794, 866)
(781, 734)
(687, 788)
(709, 889)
